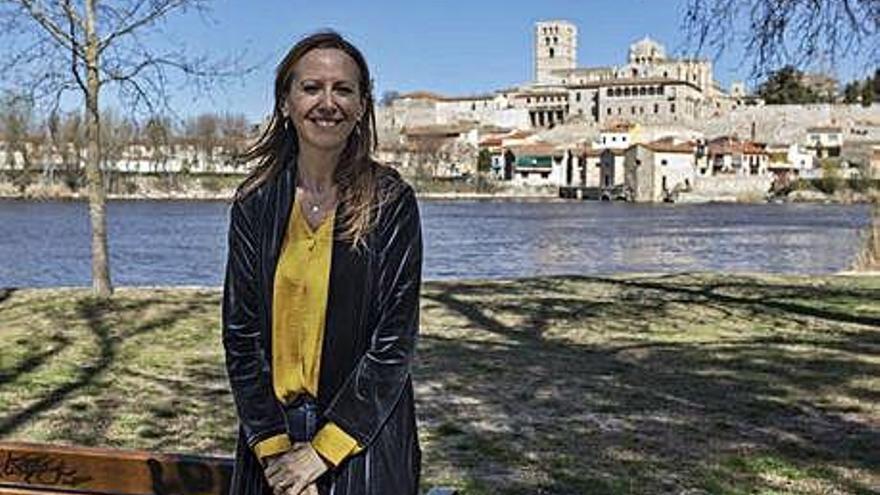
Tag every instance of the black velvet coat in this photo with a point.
(370, 332)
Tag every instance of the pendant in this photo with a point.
(315, 208)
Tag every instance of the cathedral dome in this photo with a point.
(646, 51)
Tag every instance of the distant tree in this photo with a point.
(787, 32)
(157, 137)
(234, 132)
(484, 166)
(867, 93)
(388, 98)
(876, 81)
(82, 46)
(831, 179)
(16, 120)
(117, 136)
(785, 86)
(851, 92)
(207, 131)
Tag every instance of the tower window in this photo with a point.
(551, 53)
(547, 40)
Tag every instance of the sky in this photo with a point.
(451, 47)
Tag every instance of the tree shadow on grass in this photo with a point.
(519, 410)
(6, 293)
(98, 315)
(57, 344)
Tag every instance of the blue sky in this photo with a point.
(450, 47)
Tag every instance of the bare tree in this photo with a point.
(782, 32)
(81, 46)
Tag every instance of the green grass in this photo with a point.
(698, 384)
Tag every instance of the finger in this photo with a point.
(279, 482)
(272, 467)
(298, 486)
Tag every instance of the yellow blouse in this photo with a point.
(299, 304)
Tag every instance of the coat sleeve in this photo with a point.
(373, 388)
(247, 366)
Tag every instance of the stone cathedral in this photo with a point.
(649, 88)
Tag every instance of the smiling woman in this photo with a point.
(321, 297)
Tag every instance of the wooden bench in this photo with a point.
(36, 469)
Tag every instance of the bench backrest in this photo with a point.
(32, 469)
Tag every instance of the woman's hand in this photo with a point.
(295, 471)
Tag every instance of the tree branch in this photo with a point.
(37, 12)
(159, 10)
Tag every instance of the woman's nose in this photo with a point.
(327, 98)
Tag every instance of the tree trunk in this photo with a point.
(97, 204)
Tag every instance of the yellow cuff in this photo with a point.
(334, 444)
(272, 445)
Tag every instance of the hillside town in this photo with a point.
(654, 128)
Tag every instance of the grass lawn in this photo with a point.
(679, 384)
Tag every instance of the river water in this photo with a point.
(183, 243)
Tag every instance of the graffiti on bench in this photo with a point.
(42, 469)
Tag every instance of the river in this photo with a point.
(183, 242)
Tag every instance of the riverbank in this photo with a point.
(55, 193)
(714, 383)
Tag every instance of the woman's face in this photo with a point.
(324, 101)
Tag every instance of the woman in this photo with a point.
(321, 298)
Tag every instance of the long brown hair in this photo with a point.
(356, 172)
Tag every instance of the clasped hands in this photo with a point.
(294, 472)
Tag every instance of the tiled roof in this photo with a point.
(619, 127)
(435, 130)
(729, 145)
(537, 149)
(670, 146)
(826, 129)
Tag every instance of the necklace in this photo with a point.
(315, 202)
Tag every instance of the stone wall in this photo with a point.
(727, 188)
(789, 123)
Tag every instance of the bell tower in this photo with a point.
(555, 48)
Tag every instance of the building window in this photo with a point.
(672, 108)
(656, 108)
(632, 110)
(651, 90)
(555, 40)
(642, 91)
(473, 106)
(641, 110)
(577, 96)
(547, 39)
(551, 53)
(623, 139)
(614, 139)
(609, 92)
(609, 111)
(663, 162)
(665, 74)
(625, 91)
(618, 91)
(660, 90)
